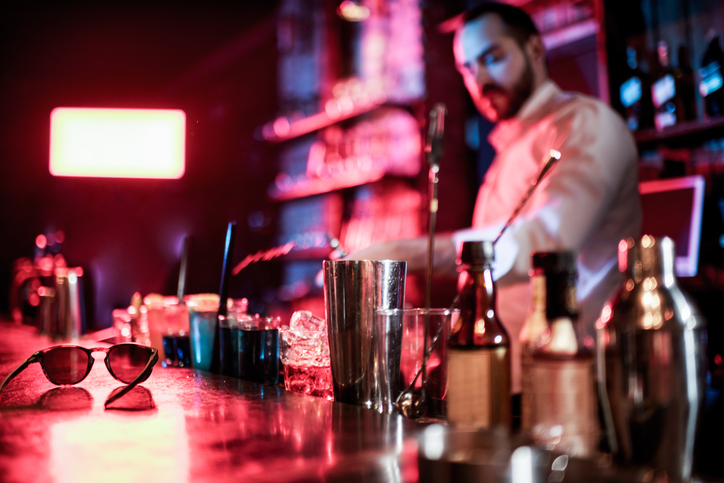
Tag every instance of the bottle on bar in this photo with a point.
(665, 95)
(478, 353)
(564, 395)
(712, 80)
(634, 94)
(533, 329)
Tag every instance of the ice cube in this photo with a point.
(303, 320)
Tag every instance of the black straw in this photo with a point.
(223, 294)
(180, 292)
(226, 270)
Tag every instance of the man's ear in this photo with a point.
(536, 50)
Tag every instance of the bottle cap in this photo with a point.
(477, 253)
(555, 262)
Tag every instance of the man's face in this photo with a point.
(496, 70)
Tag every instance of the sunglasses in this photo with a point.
(70, 364)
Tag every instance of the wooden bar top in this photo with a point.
(183, 425)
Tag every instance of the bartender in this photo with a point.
(588, 202)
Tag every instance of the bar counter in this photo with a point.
(185, 425)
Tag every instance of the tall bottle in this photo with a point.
(478, 353)
(533, 329)
(668, 109)
(712, 76)
(564, 392)
(635, 94)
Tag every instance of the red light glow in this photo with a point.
(41, 242)
(117, 143)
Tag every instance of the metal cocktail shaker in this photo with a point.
(651, 351)
(364, 349)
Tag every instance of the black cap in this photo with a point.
(555, 262)
(477, 253)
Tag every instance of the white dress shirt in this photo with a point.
(588, 202)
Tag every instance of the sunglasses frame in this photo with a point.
(39, 356)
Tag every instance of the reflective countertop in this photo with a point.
(186, 425)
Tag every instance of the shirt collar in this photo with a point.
(508, 130)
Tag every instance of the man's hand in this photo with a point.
(414, 252)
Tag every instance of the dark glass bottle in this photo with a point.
(664, 93)
(685, 82)
(564, 392)
(478, 355)
(635, 94)
(711, 86)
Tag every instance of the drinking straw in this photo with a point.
(223, 294)
(182, 272)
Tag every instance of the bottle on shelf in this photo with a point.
(711, 83)
(533, 329)
(686, 85)
(564, 392)
(634, 94)
(478, 353)
(665, 96)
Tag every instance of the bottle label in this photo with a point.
(663, 90)
(468, 393)
(527, 403)
(630, 91)
(711, 79)
(565, 405)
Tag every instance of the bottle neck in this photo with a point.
(538, 287)
(478, 325)
(560, 296)
(480, 288)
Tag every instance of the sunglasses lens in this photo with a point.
(65, 365)
(128, 361)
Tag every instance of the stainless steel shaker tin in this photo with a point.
(364, 349)
(651, 352)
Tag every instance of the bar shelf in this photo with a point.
(310, 186)
(682, 134)
(336, 110)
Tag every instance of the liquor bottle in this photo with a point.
(634, 94)
(664, 93)
(685, 81)
(711, 74)
(478, 353)
(564, 392)
(534, 327)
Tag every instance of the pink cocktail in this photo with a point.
(315, 381)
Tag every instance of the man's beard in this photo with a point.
(517, 95)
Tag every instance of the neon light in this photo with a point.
(117, 143)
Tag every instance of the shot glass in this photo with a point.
(175, 335)
(203, 319)
(259, 349)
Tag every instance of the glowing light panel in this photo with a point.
(117, 143)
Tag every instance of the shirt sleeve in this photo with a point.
(571, 202)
